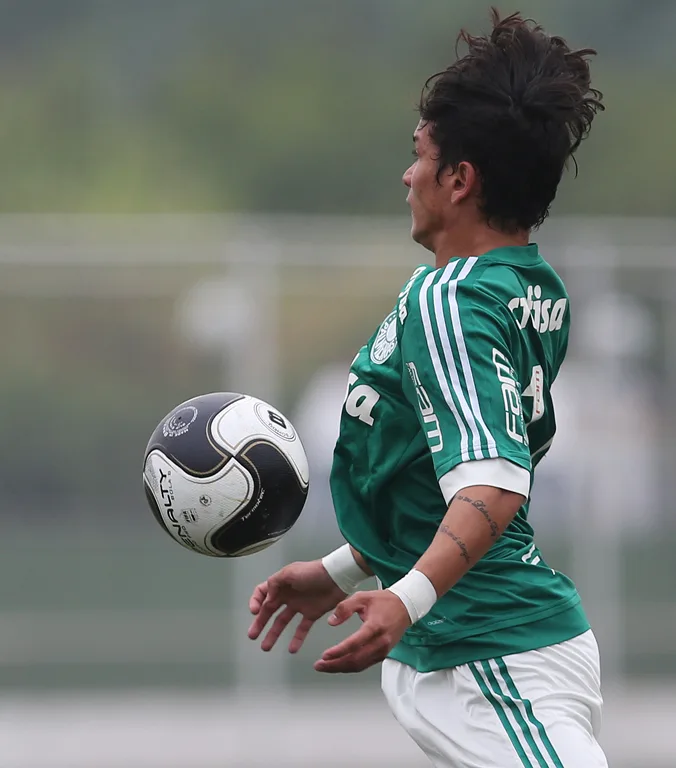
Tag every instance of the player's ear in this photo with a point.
(463, 181)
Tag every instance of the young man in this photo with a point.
(488, 658)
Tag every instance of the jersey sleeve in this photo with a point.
(459, 374)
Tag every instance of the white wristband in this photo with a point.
(417, 593)
(344, 569)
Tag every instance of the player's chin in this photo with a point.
(416, 229)
(418, 232)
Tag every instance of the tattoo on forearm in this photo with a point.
(443, 528)
(481, 507)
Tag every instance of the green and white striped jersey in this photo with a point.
(453, 390)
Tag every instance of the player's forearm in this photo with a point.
(475, 520)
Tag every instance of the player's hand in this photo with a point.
(303, 588)
(385, 619)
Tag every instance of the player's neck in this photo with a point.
(475, 242)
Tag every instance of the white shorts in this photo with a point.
(539, 709)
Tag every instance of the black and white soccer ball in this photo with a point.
(225, 474)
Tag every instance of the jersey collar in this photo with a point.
(514, 253)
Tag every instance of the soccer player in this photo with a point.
(488, 658)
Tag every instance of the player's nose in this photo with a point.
(406, 178)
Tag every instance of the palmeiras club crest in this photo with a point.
(386, 340)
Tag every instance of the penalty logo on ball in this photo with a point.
(179, 423)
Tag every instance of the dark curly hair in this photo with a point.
(516, 107)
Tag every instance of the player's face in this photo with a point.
(426, 195)
(435, 198)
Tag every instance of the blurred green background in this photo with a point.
(291, 105)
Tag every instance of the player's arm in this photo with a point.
(475, 520)
(476, 517)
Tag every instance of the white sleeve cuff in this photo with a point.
(497, 473)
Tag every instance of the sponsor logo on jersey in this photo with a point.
(360, 400)
(433, 431)
(403, 296)
(510, 397)
(386, 340)
(544, 315)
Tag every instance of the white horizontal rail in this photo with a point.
(349, 242)
(114, 637)
(185, 636)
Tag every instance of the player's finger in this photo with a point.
(262, 618)
(299, 637)
(279, 625)
(345, 609)
(269, 606)
(355, 662)
(258, 596)
(351, 644)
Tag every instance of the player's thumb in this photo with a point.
(343, 611)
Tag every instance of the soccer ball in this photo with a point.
(225, 474)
